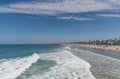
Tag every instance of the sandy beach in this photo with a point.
(101, 47)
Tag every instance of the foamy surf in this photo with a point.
(68, 67)
(11, 68)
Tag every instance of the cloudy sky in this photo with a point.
(51, 21)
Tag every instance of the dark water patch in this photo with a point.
(37, 69)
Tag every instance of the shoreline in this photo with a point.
(100, 47)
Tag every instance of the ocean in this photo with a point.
(52, 61)
(41, 61)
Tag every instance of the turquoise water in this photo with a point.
(19, 50)
(41, 61)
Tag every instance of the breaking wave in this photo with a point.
(11, 68)
(68, 67)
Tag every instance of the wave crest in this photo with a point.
(11, 68)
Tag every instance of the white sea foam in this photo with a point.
(67, 48)
(11, 68)
(68, 67)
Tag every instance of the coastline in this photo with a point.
(100, 47)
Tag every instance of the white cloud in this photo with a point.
(60, 7)
(75, 18)
(56, 7)
(109, 15)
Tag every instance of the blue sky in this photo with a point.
(52, 21)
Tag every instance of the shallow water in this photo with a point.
(103, 66)
(42, 62)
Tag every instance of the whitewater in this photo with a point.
(65, 65)
(11, 68)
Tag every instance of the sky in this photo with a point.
(57, 21)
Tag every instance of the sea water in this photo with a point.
(42, 61)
